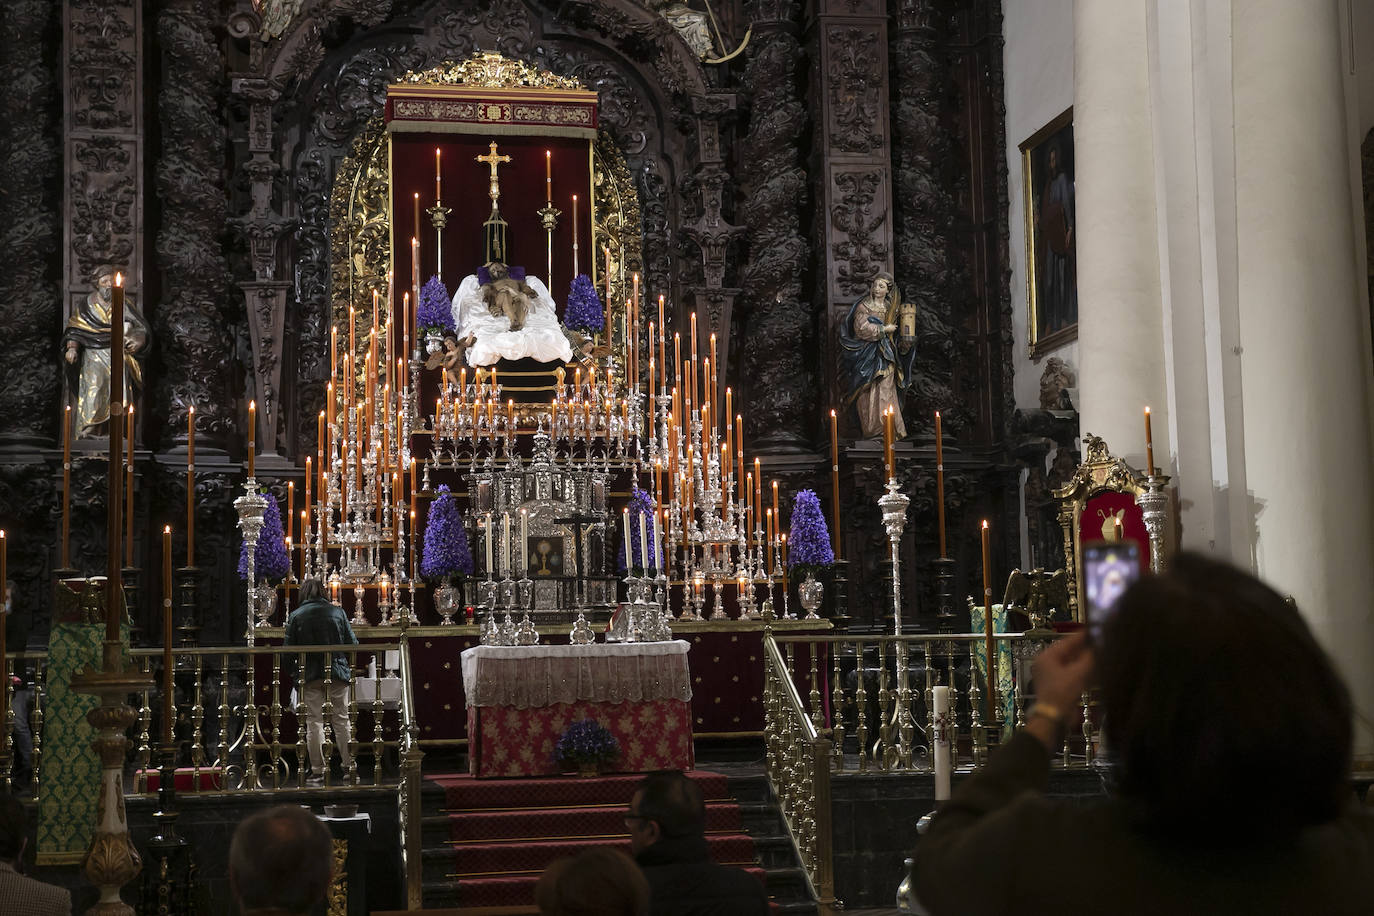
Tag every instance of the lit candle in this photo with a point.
(768, 538)
(658, 545)
(987, 627)
(333, 351)
(129, 490)
(1117, 530)
(548, 176)
(413, 554)
(114, 592)
(758, 489)
(607, 249)
(167, 667)
(625, 519)
(835, 483)
(887, 443)
(662, 341)
(438, 178)
(252, 423)
(66, 486)
(524, 541)
(1149, 446)
(416, 265)
(739, 454)
(574, 234)
(940, 485)
(290, 507)
(777, 516)
(191, 485)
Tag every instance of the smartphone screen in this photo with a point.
(1109, 568)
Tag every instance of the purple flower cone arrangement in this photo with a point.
(446, 550)
(808, 542)
(584, 312)
(435, 312)
(270, 557)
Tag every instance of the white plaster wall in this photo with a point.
(1038, 59)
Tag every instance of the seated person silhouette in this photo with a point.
(508, 315)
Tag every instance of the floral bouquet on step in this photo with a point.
(586, 745)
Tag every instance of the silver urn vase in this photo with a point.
(810, 592)
(447, 601)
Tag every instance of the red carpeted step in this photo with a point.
(465, 792)
(518, 890)
(488, 859)
(543, 823)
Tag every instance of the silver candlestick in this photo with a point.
(1154, 509)
(894, 504)
(251, 506)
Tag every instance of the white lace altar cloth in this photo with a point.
(541, 338)
(534, 676)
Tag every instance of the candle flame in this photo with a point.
(832, 411)
(985, 524)
(119, 279)
(190, 410)
(1147, 411)
(252, 405)
(166, 529)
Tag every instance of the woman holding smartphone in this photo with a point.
(1231, 738)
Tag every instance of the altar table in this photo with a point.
(521, 698)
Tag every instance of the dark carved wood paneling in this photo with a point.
(193, 319)
(30, 217)
(781, 380)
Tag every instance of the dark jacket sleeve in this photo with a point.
(966, 862)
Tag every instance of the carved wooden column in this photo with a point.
(713, 234)
(923, 210)
(263, 227)
(777, 360)
(29, 201)
(191, 323)
(103, 130)
(854, 196)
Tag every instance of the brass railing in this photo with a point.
(873, 696)
(233, 732)
(798, 761)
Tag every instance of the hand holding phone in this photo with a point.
(1109, 568)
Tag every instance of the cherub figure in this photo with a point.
(451, 357)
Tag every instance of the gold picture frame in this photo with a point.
(1047, 169)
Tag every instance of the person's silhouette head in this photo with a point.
(280, 859)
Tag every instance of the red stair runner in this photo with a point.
(506, 831)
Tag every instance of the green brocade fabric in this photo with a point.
(1005, 690)
(70, 785)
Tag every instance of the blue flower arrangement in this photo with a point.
(446, 550)
(808, 541)
(641, 514)
(270, 559)
(435, 311)
(584, 312)
(585, 743)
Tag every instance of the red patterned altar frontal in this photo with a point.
(477, 109)
(505, 741)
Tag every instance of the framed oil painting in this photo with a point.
(1051, 262)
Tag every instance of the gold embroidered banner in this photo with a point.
(483, 109)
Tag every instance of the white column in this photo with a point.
(1119, 325)
(1304, 330)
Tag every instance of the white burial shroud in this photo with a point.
(541, 338)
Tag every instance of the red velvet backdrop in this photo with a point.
(465, 186)
(1105, 506)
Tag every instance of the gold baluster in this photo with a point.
(814, 698)
(328, 710)
(928, 697)
(275, 713)
(198, 722)
(883, 744)
(378, 745)
(144, 754)
(302, 748)
(40, 694)
(837, 701)
(861, 703)
(975, 697)
(225, 714)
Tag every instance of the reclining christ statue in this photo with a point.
(509, 316)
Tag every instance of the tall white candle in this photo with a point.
(658, 544)
(940, 700)
(489, 566)
(524, 540)
(625, 517)
(505, 540)
(644, 542)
